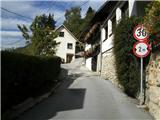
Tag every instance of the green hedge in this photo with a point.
(127, 65)
(26, 76)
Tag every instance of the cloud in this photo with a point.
(10, 33)
(30, 8)
(11, 23)
(12, 39)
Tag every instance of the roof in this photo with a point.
(100, 16)
(63, 26)
(103, 11)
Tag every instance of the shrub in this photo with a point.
(26, 76)
(152, 23)
(127, 65)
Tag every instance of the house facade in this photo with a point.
(66, 48)
(107, 17)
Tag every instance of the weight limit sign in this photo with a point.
(141, 49)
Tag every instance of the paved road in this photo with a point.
(85, 96)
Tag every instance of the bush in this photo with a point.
(127, 65)
(26, 76)
(152, 18)
(152, 23)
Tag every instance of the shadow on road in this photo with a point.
(63, 99)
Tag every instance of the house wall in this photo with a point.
(153, 85)
(88, 60)
(132, 8)
(62, 50)
(135, 8)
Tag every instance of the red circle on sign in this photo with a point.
(134, 49)
(139, 39)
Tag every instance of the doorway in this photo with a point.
(69, 58)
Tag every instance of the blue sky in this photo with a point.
(11, 37)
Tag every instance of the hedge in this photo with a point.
(127, 65)
(26, 76)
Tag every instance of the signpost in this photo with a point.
(141, 49)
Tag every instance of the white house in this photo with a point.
(66, 48)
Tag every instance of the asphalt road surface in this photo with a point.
(85, 96)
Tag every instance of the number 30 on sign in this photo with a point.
(140, 33)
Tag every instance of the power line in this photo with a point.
(15, 13)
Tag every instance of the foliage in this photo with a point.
(127, 67)
(73, 20)
(86, 20)
(27, 50)
(24, 31)
(26, 76)
(43, 34)
(152, 18)
(152, 23)
(76, 24)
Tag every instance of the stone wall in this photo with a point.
(153, 85)
(108, 67)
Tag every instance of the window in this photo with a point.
(61, 34)
(70, 46)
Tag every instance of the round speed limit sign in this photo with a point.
(141, 49)
(140, 33)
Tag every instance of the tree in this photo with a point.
(24, 31)
(43, 34)
(89, 15)
(73, 20)
(85, 22)
(76, 24)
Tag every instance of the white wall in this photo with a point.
(107, 44)
(132, 8)
(118, 15)
(109, 27)
(62, 50)
(88, 60)
(89, 63)
(88, 46)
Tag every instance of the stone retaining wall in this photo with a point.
(153, 85)
(108, 67)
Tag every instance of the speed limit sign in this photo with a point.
(141, 49)
(140, 33)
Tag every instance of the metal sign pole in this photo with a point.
(141, 85)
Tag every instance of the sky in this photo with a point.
(11, 37)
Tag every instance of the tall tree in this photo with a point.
(86, 20)
(73, 20)
(76, 24)
(43, 34)
(89, 15)
(24, 31)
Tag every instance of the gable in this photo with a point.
(67, 33)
